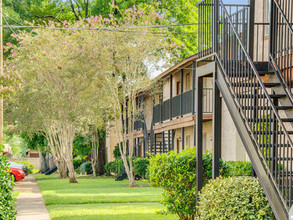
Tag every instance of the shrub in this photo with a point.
(116, 167)
(86, 168)
(116, 151)
(7, 202)
(234, 198)
(30, 166)
(109, 167)
(176, 174)
(140, 166)
(237, 168)
(77, 162)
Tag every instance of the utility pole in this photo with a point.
(1, 72)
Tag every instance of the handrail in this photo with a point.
(281, 50)
(284, 16)
(256, 73)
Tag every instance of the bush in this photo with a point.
(176, 174)
(116, 152)
(110, 167)
(86, 168)
(234, 198)
(237, 168)
(77, 162)
(116, 167)
(7, 202)
(140, 166)
(30, 166)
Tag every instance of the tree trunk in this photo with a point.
(72, 177)
(101, 155)
(94, 164)
(62, 167)
(43, 165)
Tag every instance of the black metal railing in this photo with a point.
(206, 27)
(239, 13)
(181, 105)
(274, 145)
(281, 35)
(139, 122)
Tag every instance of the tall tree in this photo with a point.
(58, 87)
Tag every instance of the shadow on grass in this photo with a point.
(117, 216)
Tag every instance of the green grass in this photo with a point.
(102, 198)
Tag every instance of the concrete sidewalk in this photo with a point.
(30, 203)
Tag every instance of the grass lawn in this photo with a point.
(101, 198)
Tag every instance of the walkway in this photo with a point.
(30, 203)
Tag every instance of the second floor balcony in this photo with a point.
(181, 105)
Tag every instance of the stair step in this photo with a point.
(275, 145)
(239, 84)
(271, 132)
(269, 120)
(283, 173)
(267, 107)
(260, 96)
(262, 66)
(281, 158)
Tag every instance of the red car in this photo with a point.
(16, 174)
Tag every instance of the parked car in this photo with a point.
(16, 174)
(19, 166)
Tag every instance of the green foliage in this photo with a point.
(7, 202)
(35, 141)
(76, 162)
(176, 174)
(116, 152)
(116, 167)
(234, 198)
(140, 166)
(30, 166)
(237, 168)
(82, 146)
(86, 168)
(110, 167)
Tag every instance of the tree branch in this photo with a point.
(86, 3)
(78, 8)
(48, 16)
(73, 10)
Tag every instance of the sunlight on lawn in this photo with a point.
(101, 198)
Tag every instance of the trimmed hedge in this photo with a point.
(237, 168)
(176, 174)
(30, 166)
(86, 168)
(7, 202)
(234, 198)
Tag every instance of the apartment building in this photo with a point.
(168, 120)
(233, 97)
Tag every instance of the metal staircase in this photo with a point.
(257, 94)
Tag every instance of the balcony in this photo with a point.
(181, 105)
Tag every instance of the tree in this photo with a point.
(58, 88)
(131, 55)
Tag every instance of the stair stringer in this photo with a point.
(266, 182)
